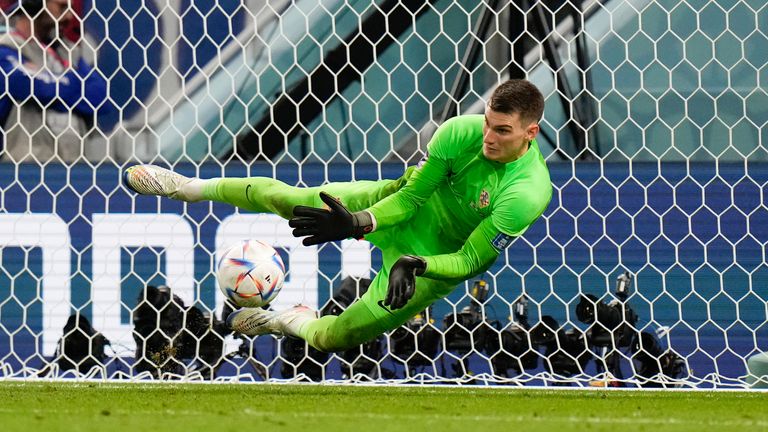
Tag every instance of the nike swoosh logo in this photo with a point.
(247, 196)
(381, 304)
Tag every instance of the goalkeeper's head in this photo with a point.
(518, 96)
(511, 120)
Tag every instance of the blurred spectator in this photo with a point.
(47, 103)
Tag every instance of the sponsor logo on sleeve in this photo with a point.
(501, 241)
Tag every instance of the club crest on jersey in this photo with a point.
(484, 200)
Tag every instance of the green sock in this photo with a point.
(258, 194)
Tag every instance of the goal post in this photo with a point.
(647, 269)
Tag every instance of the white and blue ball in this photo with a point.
(250, 273)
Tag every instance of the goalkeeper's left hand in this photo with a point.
(334, 223)
(402, 280)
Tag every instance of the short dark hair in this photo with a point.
(518, 96)
(28, 8)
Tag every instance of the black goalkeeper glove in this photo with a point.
(402, 280)
(334, 223)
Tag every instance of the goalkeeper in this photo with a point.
(482, 182)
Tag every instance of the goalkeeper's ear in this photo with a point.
(531, 131)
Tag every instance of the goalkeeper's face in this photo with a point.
(505, 137)
(55, 11)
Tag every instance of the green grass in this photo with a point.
(33, 407)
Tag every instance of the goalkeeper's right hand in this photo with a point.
(334, 223)
(402, 280)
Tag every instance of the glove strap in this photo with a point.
(417, 263)
(364, 223)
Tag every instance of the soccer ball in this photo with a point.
(250, 273)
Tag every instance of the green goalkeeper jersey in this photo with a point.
(459, 210)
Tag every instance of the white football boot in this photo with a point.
(257, 321)
(154, 180)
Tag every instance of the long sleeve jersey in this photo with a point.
(458, 209)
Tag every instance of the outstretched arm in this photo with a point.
(477, 254)
(402, 205)
(337, 223)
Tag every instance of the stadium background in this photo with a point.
(661, 172)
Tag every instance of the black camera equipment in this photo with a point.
(464, 330)
(300, 358)
(566, 351)
(81, 347)
(157, 319)
(611, 324)
(415, 343)
(467, 330)
(651, 360)
(364, 360)
(167, 333)
(201, 341)
(510, 348)
(613, 328)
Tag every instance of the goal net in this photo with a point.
(647, 269)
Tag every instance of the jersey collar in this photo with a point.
(533, 148)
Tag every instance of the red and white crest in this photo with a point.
(484, 200)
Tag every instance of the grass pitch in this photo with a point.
(316, 408)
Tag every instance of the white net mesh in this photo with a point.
(653, 131)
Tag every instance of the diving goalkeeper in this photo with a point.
(482, 182)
